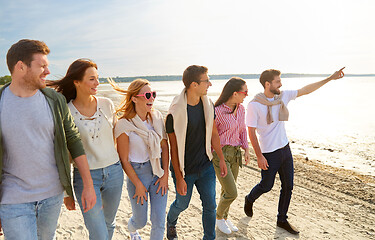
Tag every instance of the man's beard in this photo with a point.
(275, 91)
(33, 82)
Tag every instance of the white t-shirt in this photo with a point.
(97, 133)
(271, 136)
(137, 147)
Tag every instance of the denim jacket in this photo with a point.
(66, 137)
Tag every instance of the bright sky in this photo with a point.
(162, 37)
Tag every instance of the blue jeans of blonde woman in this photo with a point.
(108, 181)
(31, 221)
(233, 160)
(157, 201)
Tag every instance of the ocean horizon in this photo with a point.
(225, 76)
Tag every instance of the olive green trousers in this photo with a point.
(233, 160)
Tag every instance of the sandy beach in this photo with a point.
(327, 203)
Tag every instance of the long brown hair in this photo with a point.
(127, 106)
(76, 71)
(233, 85)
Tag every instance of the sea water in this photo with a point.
(334, 125)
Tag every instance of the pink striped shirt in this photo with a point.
(231, 128)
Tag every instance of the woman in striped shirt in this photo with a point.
(230, 122)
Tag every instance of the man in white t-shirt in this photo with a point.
(266, 115)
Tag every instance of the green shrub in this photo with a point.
(5, 79)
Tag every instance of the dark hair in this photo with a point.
(76, 71)
(23, 51)
(268, 76)
(192, 74)
(233, 85)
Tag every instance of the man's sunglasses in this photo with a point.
(147, 95)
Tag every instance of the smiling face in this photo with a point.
(142, 104)
(89, 83)
(275, 85)
(36, 73)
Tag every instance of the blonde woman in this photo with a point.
(143, 150)
(95, 118)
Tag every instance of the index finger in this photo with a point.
(341, 69)
(157, 190)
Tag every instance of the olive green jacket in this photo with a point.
(67, 138)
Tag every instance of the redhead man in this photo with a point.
(37, 134)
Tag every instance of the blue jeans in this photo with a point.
(31, 221)
(205, 182)
(157, 201)
(108, 181)
(280, 161)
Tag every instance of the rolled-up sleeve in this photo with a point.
(251, 116)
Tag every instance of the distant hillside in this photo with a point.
(226, 76)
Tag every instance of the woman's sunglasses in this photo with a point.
(147, 95)
(245, 92)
